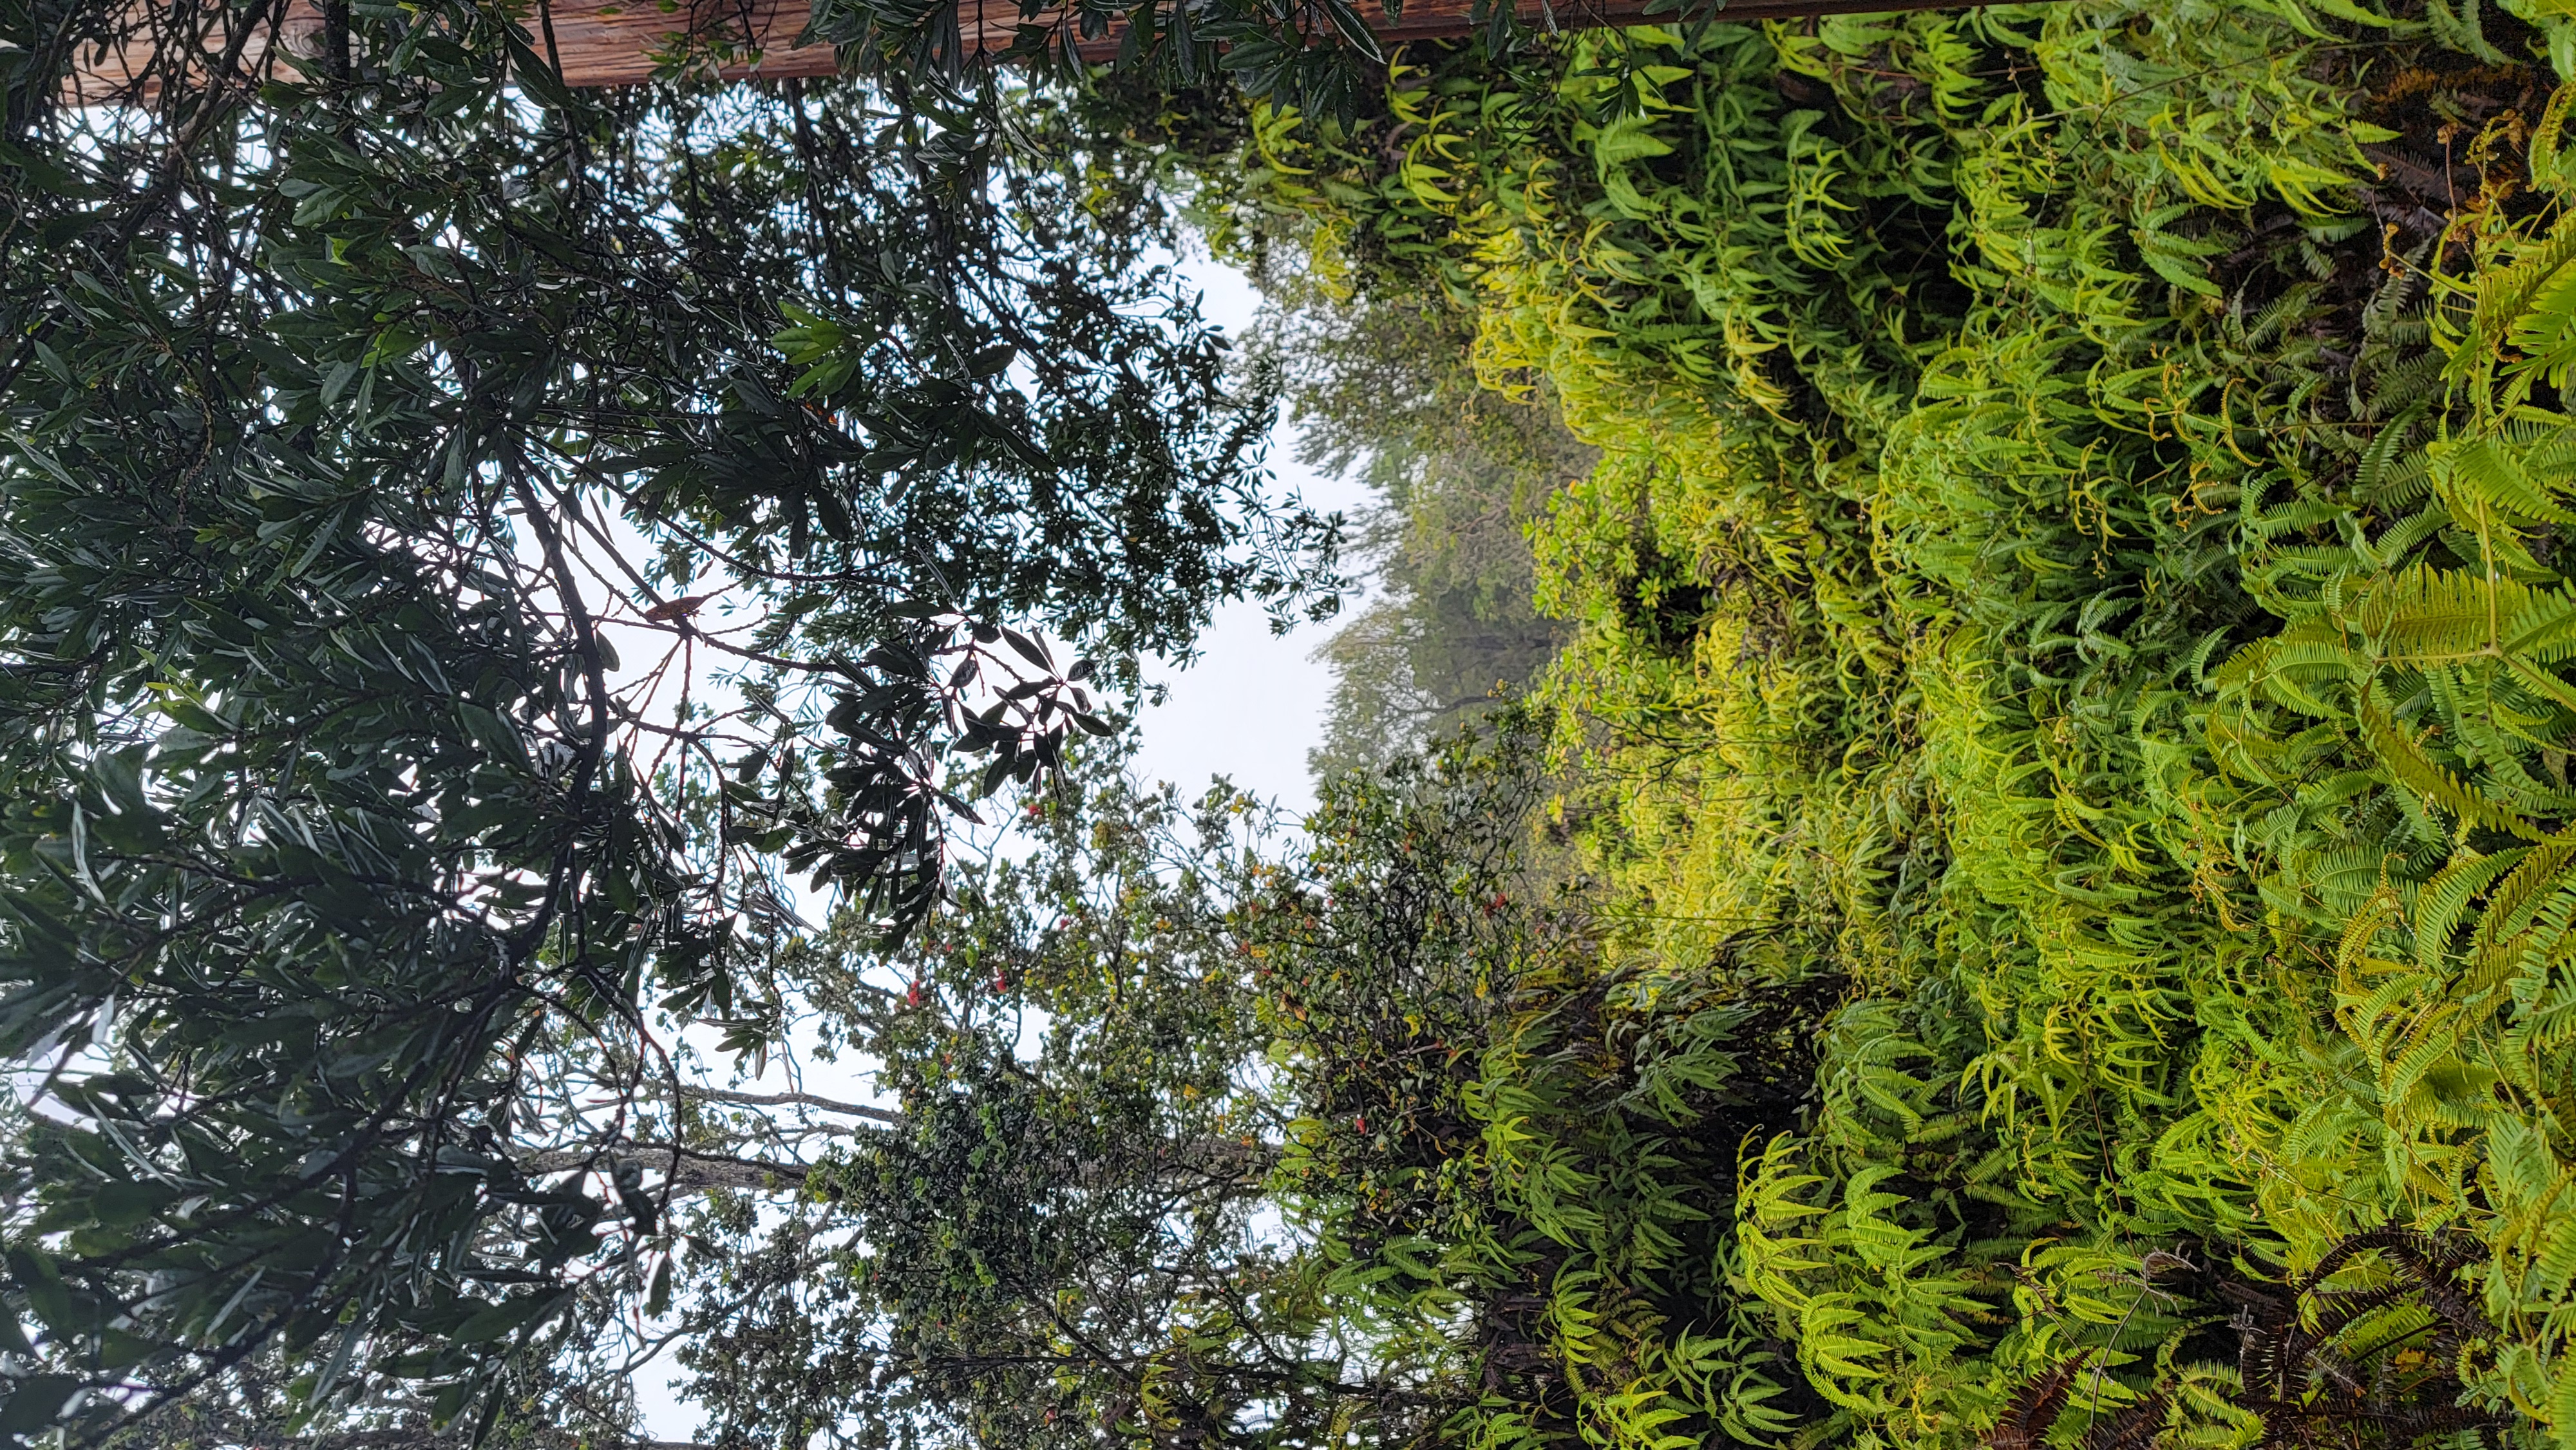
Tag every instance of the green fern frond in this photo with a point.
(2445, 899)
(2407, 763)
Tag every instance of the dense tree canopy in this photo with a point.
(364, 426)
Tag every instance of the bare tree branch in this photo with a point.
(690, 1170)
(802, 1100)
(423, 1438)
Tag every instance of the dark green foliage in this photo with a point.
(1062, 1239)
(353, 424)
(1071, 1234)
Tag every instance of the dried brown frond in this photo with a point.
(2134, 1428)
(2369, 1368)
(2034, 1408)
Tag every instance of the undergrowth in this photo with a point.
(2069, 588)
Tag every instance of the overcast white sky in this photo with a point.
(1253, 705)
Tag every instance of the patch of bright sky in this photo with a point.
(1253, 703)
